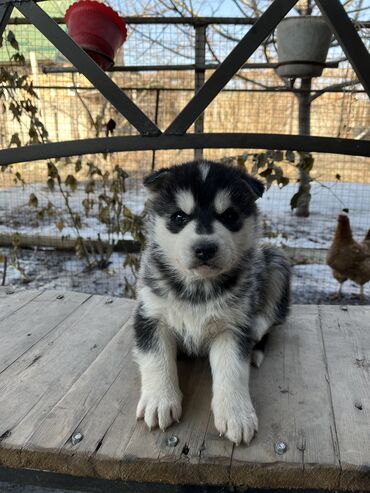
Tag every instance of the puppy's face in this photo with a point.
(203, 216)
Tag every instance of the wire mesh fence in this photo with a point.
(62, 222)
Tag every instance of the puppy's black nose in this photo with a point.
(205, 251)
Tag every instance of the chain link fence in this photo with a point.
(76, 223)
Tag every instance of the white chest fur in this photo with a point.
(196, 325)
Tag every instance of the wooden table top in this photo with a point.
(66, 368)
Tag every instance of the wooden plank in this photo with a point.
(346, 335)
(51, 369)
(25, 327)
(107, 426)
(216, 453)
(44, 445)
(147, 453)
(86, 380)
(292, 399)
(10, 303)
(196, 385)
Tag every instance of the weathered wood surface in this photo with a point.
(66, 366)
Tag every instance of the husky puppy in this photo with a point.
(206, 287)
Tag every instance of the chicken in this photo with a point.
(347, 258)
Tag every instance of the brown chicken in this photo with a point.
(348, 258)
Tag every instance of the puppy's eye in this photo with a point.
(179, 218)
(229, 216)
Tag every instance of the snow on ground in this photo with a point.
(311, 283)
(17, 216)
(327, 202)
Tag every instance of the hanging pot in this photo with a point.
(302, 46)
(98, 29)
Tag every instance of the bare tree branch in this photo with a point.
(340, 85)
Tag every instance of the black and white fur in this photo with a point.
(206, 287)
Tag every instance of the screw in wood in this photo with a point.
(280, 448)
(76, 438)
(172, 441)
(358, 405)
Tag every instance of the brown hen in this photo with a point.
(347, 258)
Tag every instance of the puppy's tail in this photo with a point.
(258, 352)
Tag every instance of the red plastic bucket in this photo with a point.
(98, 29)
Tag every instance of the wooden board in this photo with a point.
(31, 322)
(11, 301)
(293, 404)
(312, 392)
(49, 370)
(346, 336)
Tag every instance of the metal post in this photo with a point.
(157, 93)
(200, 60)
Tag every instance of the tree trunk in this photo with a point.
(304, 118)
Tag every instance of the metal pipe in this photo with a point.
(156, 115)
(166, 68)
(188, 141)
(192, 21)
(199, 77)
(188, 89)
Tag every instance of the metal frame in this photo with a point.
(188, 141)
(232, 63)
(78, 57)
(350, 41)
(191, 21)
(175, 137)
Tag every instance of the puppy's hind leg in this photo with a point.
(260, 329)
(258, 353)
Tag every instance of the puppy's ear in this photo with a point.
(155, 181)
(256, 186)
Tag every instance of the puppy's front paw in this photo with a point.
(235, 418)
(159, 409)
